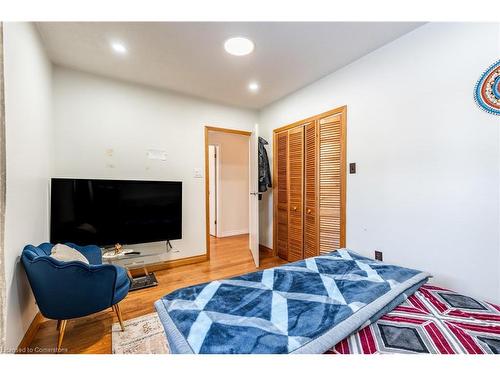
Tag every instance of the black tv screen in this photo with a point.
(106, 212)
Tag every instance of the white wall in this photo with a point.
(233, 190)
(426, 192)
(28, 151)
(103, 129)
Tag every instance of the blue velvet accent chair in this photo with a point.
(68, 290)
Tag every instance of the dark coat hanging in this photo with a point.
(264, 170)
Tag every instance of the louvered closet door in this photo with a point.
(281, 144)
(330, 176)
(295, 193)
(311, 243)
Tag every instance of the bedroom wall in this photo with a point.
(234, 184)
(426, 191)
(28, 82)
(103, 128)
(3, 294)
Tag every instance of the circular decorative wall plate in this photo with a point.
(487, 90)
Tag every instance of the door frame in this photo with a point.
(343, 175)
(217, 185)
(207, 182)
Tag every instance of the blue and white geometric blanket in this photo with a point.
(302, 307)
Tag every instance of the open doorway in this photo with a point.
(227, 170)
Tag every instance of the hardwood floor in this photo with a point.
(230, 256)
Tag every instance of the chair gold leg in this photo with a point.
(119, 315)
(62, 328)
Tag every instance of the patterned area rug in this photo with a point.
(142, 335)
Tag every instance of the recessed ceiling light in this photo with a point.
(239, 46)
(253, 86)
(119, 48)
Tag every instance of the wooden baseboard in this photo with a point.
(266, 249)
(30, 333)
(172, 263)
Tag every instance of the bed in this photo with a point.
(302, 307)
(434, 320)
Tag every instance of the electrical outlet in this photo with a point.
(378, 255)
(352, 168)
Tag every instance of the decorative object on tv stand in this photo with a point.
(487, 90)
(117, 251)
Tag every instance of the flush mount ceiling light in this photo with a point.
(119, 48)
(239, 46)
(253, 86)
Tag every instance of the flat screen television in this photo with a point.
(106, 212)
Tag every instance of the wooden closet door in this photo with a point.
(281, 163)
(331, 183)
(311, 243)
(295, 193)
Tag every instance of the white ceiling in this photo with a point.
(189, 57)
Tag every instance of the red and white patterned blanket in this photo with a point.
(433, 320)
